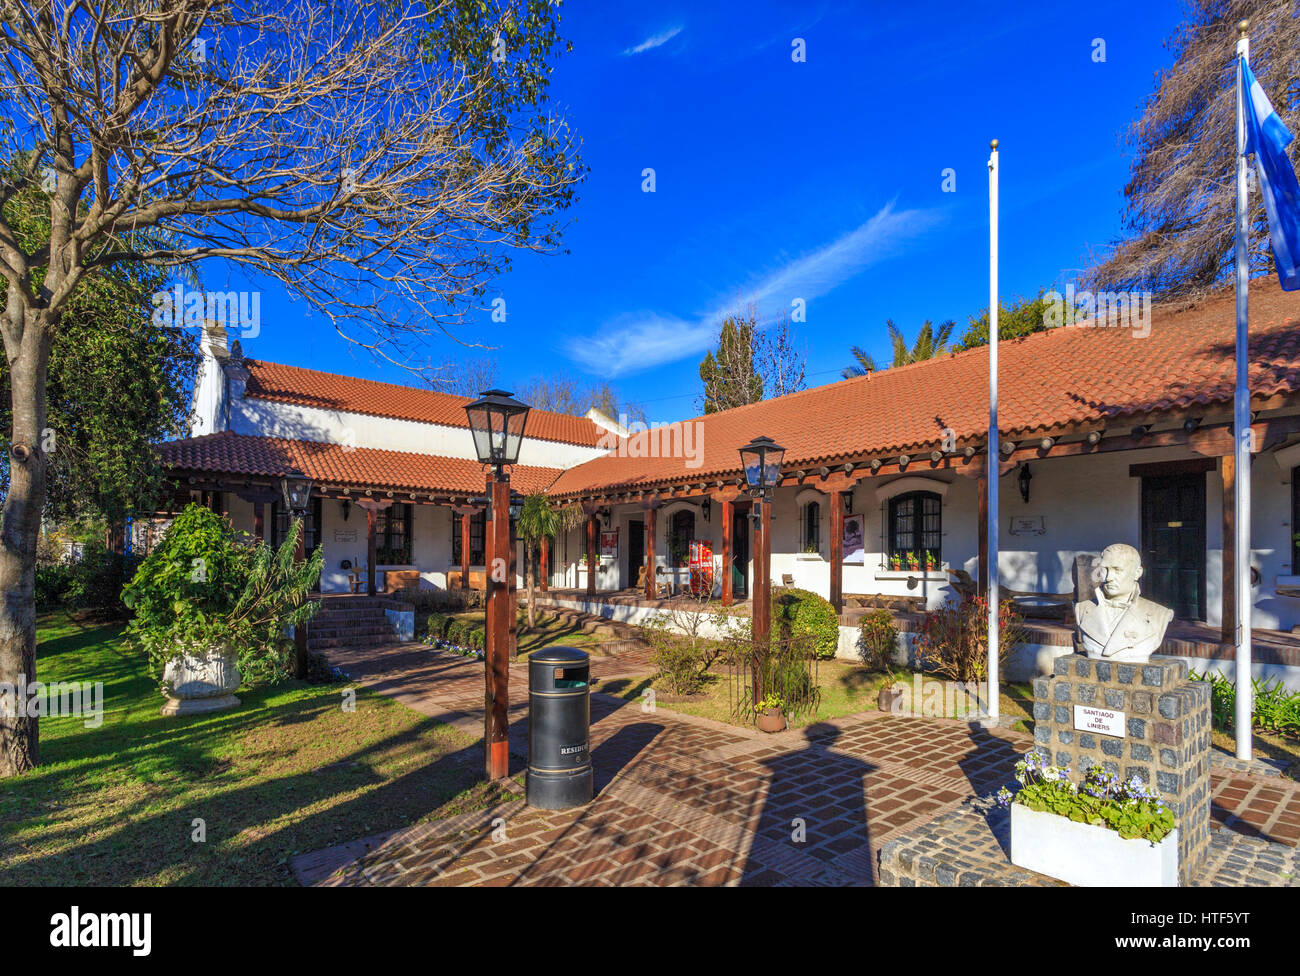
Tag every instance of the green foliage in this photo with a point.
(729, 376)
(1127, 807)
(679, 665)
(879, 640)
(52, 584)
(1016, 319)
(203, 587)
(1275, 709)
(117, 383)
(98, 580)
(931, 341)
(801, 613)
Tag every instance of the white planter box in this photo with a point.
(1088, 856)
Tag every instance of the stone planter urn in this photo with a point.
(201, 681)
(890, 698)
(771, 720)
(1090, 856)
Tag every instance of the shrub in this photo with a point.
(879, 640)
(679, 664)
(52, 585)
(1275, 708)
(954, 640)
(98, 579)
(202, 587)
(802, 613)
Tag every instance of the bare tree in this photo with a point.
(378, 158)
(780, 361)
(463, 377)
(1180, 205)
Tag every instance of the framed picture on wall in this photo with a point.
(855, 540)
(609, 544)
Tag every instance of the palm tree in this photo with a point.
(538, 520)
(931, 342)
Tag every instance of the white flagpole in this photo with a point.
(1241, 426)
(991, 467)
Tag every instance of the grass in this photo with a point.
(289, 771)
(549, 630)
(1266, 746)
(846, 689)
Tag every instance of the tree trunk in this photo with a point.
(27, 343)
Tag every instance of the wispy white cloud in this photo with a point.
(650, 43)
(641, 340)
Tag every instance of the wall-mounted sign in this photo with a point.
(1103, 721)
(345, 535)
(855, 540)
(609, 544)
(1028, 525)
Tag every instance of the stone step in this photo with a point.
(370, 640)
(378, 630)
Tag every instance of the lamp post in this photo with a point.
(761, 461)
(496, 421)
(297, 492)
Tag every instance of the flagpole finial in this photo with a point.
(993, 145)
(1243, 27)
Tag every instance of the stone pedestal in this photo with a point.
(1144, 720)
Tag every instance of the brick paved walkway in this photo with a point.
(682, 800)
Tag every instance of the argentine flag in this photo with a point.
(1267, 137)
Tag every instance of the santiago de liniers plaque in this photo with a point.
(1118, 623)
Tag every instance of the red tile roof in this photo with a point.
(1083, 375)
(335, 464)
(330, 391)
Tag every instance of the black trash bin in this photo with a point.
(559, 721)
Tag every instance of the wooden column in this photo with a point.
(544, 564)
(259, 521)
(372, 516)
(982, 569)
(591, 554)
(837, 550)
(1229, 616)
(651, 532)
(464, 549)
(728, 518)
(499, 625)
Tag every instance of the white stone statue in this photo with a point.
(1118, 624)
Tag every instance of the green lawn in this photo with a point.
(846, 688)
(289, 771)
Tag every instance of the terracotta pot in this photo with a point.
(889, 698)
(771, 720)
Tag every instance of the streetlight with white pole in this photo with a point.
(497, 421)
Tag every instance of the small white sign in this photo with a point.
(1028, 525)
(1103, 721)
(345, 535)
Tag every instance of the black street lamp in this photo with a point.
(761, 461)
(496, 422)
(296, 491)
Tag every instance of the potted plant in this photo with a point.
(896, 562)
(931, 561)
(211, 612)
(1103, 832)
(890, 696)
(771, 714)
(913, 561)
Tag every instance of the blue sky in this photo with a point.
(819, 180)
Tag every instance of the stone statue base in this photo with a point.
(1146, 720)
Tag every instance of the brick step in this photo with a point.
(379, 630)
(345, 618)
(315, 643)
(591, 624)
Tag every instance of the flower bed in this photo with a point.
(1103, 831)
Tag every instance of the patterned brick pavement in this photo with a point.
(682, 800)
